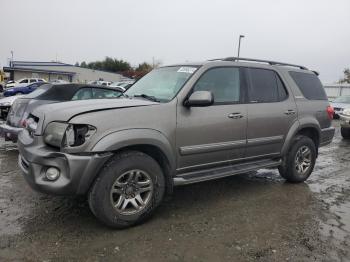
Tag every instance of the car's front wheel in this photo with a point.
(345, 132)
(128, 189)
(299, 162)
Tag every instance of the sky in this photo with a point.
(313, 33)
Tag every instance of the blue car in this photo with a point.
(22, 89)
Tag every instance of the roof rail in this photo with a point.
(236, 59)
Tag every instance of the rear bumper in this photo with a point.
(327, 135)
(9, 133)
(344, 121)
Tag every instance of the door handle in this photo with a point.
(235, 115)
(290, 112)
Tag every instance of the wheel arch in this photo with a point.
(147, 141)
(310, 129)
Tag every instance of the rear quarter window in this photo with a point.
(309, 85)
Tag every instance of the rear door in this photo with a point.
(271, 112)
(213, 135)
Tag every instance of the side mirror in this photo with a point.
(200, 98)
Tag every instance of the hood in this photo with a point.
(9, 99)
(66, 110)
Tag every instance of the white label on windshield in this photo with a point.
(187, 70)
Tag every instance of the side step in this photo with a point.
(220, 172)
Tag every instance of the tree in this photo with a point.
(76, 64)
(346, 79)
(83, 64)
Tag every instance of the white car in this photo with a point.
(23, 81)
(5, 105)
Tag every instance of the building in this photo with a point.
(58, 71)
(335, 90)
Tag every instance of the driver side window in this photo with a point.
(223, 82)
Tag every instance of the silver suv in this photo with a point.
(178, 125)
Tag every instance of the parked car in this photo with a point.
(345, 122)
(23, 89)
(124, 85)
(49, 94)
(23, 81)
(5, 105)
(59, 81)
(100, 83)
(177, 125)
(339, 104)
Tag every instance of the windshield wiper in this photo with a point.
(152, 98)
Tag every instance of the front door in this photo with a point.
(213, 135)
(271, 112)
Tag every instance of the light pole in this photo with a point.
(11, 58)
(239, 44)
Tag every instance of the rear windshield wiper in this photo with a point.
(152, 98)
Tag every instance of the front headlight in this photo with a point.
(60, 134)
(346, 111)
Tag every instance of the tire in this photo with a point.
(128, 173)
(345, 132)
(293, 169)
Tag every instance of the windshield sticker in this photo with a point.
(187, 70)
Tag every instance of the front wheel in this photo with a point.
(299, 163)
(345, 132)
(128, 189)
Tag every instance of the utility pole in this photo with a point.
(239, 44)
(11, 59)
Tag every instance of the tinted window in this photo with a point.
(32, 80)
(24, 81)
(309, 85)
(99, 93)
(40, 80)
(83, 94)
(265, 86)
(224, 83)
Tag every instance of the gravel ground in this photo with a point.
(249, 217)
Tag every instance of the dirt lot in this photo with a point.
(250, 217)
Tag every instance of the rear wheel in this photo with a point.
(345, 132)
(299, 163)
(128, 189)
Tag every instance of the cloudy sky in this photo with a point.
(315, 33)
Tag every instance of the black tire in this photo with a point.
(289, 170)
(345, 132)
(100, 196)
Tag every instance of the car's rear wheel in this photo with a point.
(299, 162)
(345, 132)
(128, 189)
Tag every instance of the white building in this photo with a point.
(335, 90)
(56, 70)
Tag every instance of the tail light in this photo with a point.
(330, 112)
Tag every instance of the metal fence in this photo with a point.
(336, 90)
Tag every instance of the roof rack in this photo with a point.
(236, 59)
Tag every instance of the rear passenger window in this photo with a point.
(223, 82)
(83, 94)
(309, 85)
(265, 86)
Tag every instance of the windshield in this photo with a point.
(162, 83)
(342, 99)
(37, 92)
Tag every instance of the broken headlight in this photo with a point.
(60, 134)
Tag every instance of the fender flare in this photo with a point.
(307, 122)
(133, 137)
